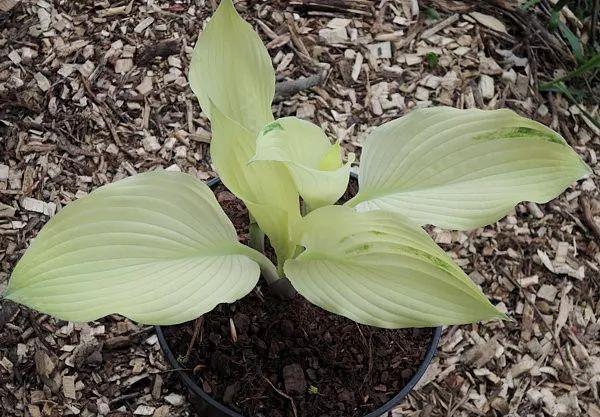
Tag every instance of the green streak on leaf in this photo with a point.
(438, 262)
(520, 133)
(271, 127)
(359, 249)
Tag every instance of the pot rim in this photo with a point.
(198, 391)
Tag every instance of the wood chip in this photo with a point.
(175, 399)
(68, 384)
(486, 86)
(15, 57)
(162, 411)
(566, 306)
(34, 410)
(8, 5)
(439, 26)
(157, 387)
(525, 364)
(6, 211)
(338, 23)
(115, 11)
(123, 66)
(356, 68)
(489, 66)
(145, 86)
(44, 365)
(529, 281)
(38, 206)
(143, 24)
(42, 82)
(333, 36)
(144, 410)
(381, 50)
(4, 170)
(151, 144)
(547, 292)
(489, 21)
(481, 354)
(561, 253)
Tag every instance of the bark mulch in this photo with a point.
(93, 91)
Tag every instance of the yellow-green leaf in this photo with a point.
(231, 68)
(377, 268)
(462, 169)
(156, 248)
(266, 188)
(313, 162)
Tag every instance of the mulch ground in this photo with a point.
(93, 91)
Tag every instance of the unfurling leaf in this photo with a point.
(156, 248)
(231, 68)
(232, 76)
(377, 268)
(461, 169)
(266, 188)
(313, 162)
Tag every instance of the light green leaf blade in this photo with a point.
(266, 188)
(313, 162)
(377, 268)
(231, 67)
(462, 169)
(156, 248)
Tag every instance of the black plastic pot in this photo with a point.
(206, 406)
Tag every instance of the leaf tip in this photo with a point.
(586, 169)
(502, 316)
(8, 293)
(226, 6)
(495, 313)
(16, 296)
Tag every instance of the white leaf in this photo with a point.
(156, 248)
(377, 268)
(462, 169)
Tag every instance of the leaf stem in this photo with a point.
(268, 270)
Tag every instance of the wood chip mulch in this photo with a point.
(93, 91)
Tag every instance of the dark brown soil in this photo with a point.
(265, 357)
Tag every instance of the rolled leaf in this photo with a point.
(462, 169)
(231, 68)
(156, 248)
(266, 188)
(313, 162)
(377, 268)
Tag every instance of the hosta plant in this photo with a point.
(157, 248)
